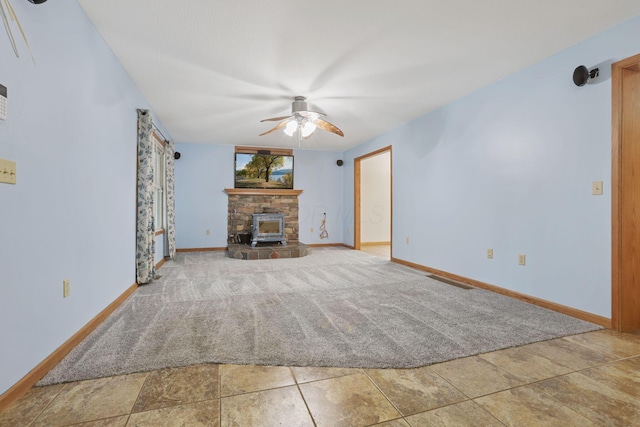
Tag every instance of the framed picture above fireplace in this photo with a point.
(263, 170)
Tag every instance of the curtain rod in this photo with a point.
(159, 131)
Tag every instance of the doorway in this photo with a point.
(373, 209)
(625, 194)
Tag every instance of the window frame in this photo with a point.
(159, 184)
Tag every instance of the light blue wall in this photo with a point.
(204, 171)
(321, 179)
(72, 131)
(510, 167)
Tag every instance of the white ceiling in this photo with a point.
(212, 69)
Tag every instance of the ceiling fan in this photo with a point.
(302, 120)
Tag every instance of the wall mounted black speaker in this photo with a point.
(176, 155)
(581, 75)
(339, 163)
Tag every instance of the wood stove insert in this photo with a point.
(267, 227)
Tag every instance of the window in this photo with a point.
(159, 184)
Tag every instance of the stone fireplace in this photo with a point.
(244, 203)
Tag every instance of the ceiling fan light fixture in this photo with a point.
(291, 127)
(302, 120)
(308, 128)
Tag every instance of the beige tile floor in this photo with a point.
(591, 379)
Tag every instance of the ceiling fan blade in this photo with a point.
(278, 126)
(275, 119)
(324, 125)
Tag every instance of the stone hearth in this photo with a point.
(266, 251)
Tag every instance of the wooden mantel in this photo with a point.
(262, 191)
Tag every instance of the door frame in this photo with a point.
(625, 294)
(357, 194)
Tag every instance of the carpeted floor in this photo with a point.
(335, 307)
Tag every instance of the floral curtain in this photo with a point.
(145, 237)
(171, 201)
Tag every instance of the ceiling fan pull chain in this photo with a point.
(8, 28)
(14, 17)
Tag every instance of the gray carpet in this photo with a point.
(335, 307)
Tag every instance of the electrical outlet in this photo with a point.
(208, 232)
(490, 253)
(66, 289)
(311, 230)
(522, 259)
(407, 240)
(596, 188)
